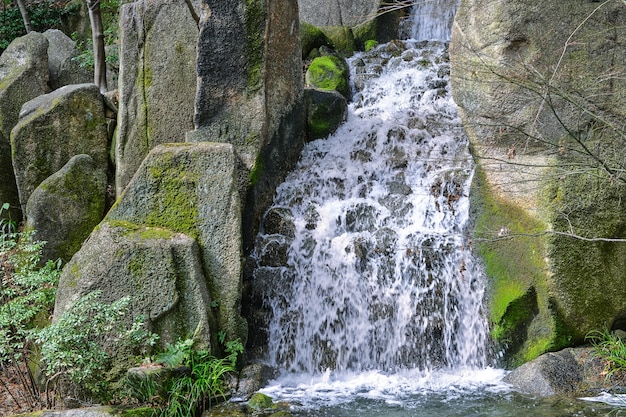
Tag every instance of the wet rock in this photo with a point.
(550, 374)
(252, 378)
(329, 73)
(325, 112)
(279, 220)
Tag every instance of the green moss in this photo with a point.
(174, 207)
(328, 73)
(311, 37)
(256, 171)
(260, 401)
(517, 274)
(138, 412)
(365, 32)
(370, 44)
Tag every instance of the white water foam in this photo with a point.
(432, 19)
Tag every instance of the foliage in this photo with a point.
(27, 293)
(203, 383)
(611, 348)
(79, 347)
(45, 14)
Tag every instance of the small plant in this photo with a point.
(77, 349)
(611, 348)
(204, 382)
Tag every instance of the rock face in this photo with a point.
(23, 76)
(63, 68)
(192, 189)
(53, 128)
(337, 13)
(241, 99)
(529, 91)
(161, 271)
(157, 80)
(64, 208)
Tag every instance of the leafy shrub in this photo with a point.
(78, 348)
(27, 292)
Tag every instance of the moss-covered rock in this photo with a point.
(325, 111)
(159, 269)
(329, 73)
(312, 38)
(547, 289)
(260, 401)
(342, 38)
(64, 208)
(52, 129)
(192, 189)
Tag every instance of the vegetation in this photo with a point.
(195, 390)
(611, 349)
(45, 14)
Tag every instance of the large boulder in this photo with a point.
(52, 129)
(65, 207)
(157, 86)
(23, 76)
(250, 94)
(63, 67)
(192, 189)
(161, 270)
(537, 100)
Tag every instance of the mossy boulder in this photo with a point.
(192, 189)
(52, 129)
(159, 269)
(312, 38)
(329, 73)
(65, 207)
(260, 401)
(342, 39)
(325, 111)
(23, 76)
(157, 87)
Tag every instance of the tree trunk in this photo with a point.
(97, 36)
(25, 18)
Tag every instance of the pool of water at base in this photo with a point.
(439, 394)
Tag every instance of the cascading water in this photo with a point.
(378, 272)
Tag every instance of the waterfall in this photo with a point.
(363, 260)
(432, 19)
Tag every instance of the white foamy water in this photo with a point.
(432, 19)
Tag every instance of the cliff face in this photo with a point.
(543, 99)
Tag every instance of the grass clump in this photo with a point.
(611, 349)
